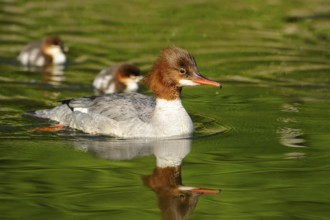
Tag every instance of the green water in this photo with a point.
(263, 139)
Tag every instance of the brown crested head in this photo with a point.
(128, 70)
(173, 69)
(53, 41)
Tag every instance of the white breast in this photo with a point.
(59, 58)
(34, 53)
(57, 54)
(171, 119)
(131, 87)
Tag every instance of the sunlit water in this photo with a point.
(263, 139)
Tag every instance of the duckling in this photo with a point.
(119, 78)
(41, 53)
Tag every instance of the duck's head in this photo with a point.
(173, 69)
(53, 45)
(128, 74)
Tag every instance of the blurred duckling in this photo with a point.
(116, 79)
(50, 51)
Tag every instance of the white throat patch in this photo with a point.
(186, 82)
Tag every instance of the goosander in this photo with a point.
(119, 78)
(133, 115)
(40, 53)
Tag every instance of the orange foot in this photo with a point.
(53, 128)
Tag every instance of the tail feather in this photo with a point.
(58, 113)
(31, 113)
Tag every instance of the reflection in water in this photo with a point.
(116, 149)
(175, 200)
(52, 74)
(291, 137)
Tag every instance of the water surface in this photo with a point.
(263, 139)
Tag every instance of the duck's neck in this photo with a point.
(170, 93)
(163, 86)
(119, 85)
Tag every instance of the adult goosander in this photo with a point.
(41, 53)
(119, 78)
(133, 115)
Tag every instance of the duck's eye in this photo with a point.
(182, 196)
(182, 70)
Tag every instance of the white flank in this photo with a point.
(110, 89)
(34, 54)
(101, 80)
(24, 58)
(40, 61)
(83, 110)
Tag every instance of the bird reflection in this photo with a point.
(289, 134)
(51, 74)
(175, 200)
